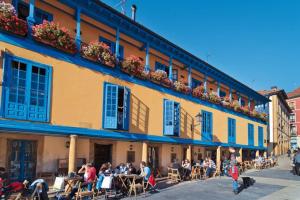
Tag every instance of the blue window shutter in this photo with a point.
(260, 136)
(110, 117)
(16, 91)
(210, 127)
(126, 110)
(168, 117)
(229, 130)
(38, 99)
(207, 126)
(250, 135)
(177, 119)
(204, 119)
(234, 131)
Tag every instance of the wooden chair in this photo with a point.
(194, 174)
(82, 193)
(203, 175)
(174, 174)
(216, 173)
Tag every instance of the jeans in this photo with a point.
(99, 182)
(209, 171)
(235, 185)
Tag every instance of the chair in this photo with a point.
(194, 173)
(216, 173)
(174, 174)
(82, 193)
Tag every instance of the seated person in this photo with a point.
(123, 169)
(211, 167)
(175, 164)
(101, 175)
(187, 168)
(131, 169)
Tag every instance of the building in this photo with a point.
(279, 112)
(294, 103)
(62, 107)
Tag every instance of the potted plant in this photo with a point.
(133, 65)
(158, 75)
(199, 91)
(52, 34)
(236, 106)
(214, 98)
(10, 22)
(245, 110)
(226, 102)
(98, 52)
(181, 87)
(167, 82)
(263, 116)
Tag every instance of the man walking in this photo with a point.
(297, 162)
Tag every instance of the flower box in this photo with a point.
(181, 87)
(158, 75)
(9, 21)
(51, 34)
(98, 52)
(214, 98)
(167, 82)
(199, 92)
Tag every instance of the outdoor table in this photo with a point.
(123, 178)
(70, 182)
(132, 183)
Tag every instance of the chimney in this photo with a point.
(133, 12)
(274, 88)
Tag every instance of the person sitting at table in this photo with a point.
(123, 169)
(175, 164)
(131, 168)
(187, 168)
(211, 167)
(101, 175)
(109, 169)
(146, 173)
(89, 175)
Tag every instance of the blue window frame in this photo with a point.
(26, 89)
(112, 46)
(195, 83)
(250, 135)
(171, 118)
(222, 93)
(231, 131)
(207, 128)
(260, 136)
(116, 107)
(39, 14)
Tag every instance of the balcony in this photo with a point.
(101, 54)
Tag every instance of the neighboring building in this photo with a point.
(60, 110)
(279, 112)
(294, 103)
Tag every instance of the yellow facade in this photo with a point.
(77, 101)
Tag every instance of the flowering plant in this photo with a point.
(99, 51)
(133, 65)
(167, 82)
(263, 116)
(254, 113)
(181, 87)
(213, 97)
(52, 34)
(158, 75)
(236, 105)
(10, 22)
(245, 110)
(199, 91)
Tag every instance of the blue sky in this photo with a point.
(255, 41)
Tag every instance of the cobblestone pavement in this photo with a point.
(271, 184)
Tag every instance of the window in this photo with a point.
(195, 83)
(112, 46)
(130, 156)
(222, 93)
(260, 136)
(292, 117)
(250, 135)
(173, 157)
(171, 118)
(174, 75)
(243, 102)
(231, 131)
(207, 126)
(116, 107)
(27, 89)
(39, 15)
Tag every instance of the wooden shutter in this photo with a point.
(126, 110)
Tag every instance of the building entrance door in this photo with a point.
(22, 156)
(153, 157)
(102, 154)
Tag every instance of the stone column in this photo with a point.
(257, 153)
(218, 159)
(72, 153)
(189, 153)
(145, 152)
(240, 158)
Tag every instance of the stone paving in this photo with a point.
(271, 184)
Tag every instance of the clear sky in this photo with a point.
(255, 41)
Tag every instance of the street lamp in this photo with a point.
(198, 121)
